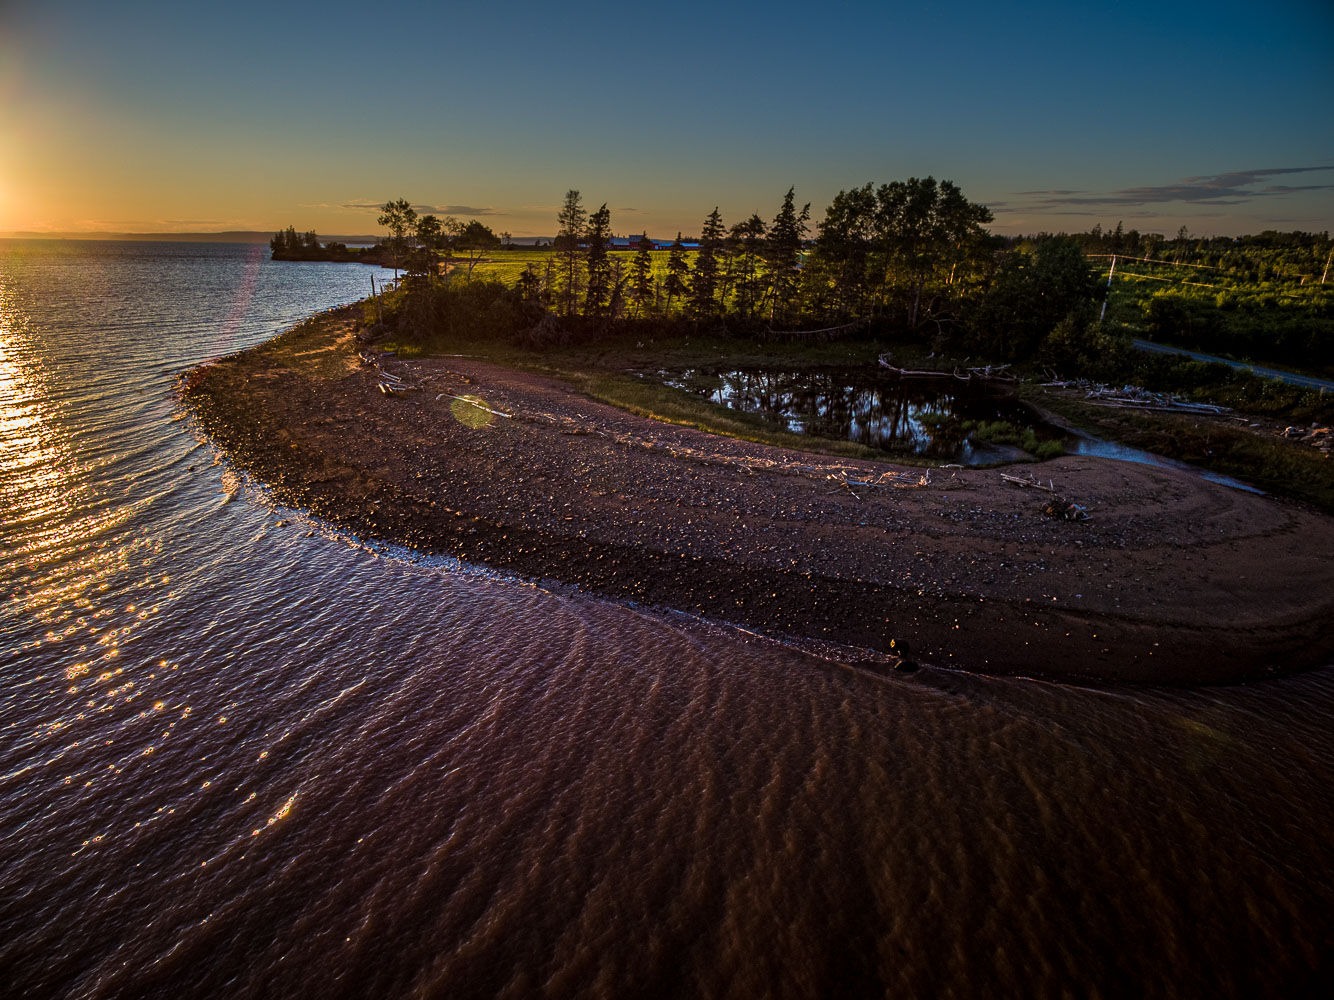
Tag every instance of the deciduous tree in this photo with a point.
(475, 240)
(430, 234)
(400, 218)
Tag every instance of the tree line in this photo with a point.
(908, 253)
(905, 258)
(290, 243)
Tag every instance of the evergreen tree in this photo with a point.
(529, 284)
(568, 238)
(678, 271)
(783, 255)
(704, 278)
(599, 267)
(641, 275)
(748, 240)
(616, 297)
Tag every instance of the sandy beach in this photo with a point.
(1173, 580)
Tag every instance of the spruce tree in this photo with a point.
(704, 278)
(783, 255)
(677, 271)
(571, 233)
(599, 267)
(641, 275)
(748, 237)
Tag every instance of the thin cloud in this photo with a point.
(468, 210)
(457, 210)
(1236, 187)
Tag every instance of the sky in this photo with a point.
(169, 117)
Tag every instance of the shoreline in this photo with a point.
(1175, 580)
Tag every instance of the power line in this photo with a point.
(1151, 260)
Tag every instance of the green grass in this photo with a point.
(507, 265)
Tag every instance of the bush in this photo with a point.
(1080, 343)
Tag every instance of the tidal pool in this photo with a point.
(945, 419)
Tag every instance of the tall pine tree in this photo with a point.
(641, 276)
(748, 237)
(568, 239)
(678, 271)
(783, 256)
(704, 278)
(599, 267)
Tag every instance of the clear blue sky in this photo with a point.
(154, 116)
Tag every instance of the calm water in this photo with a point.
(240, 759)
(929, 418)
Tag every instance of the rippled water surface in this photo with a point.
(248, 759)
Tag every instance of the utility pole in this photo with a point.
(1109, 289)
(1327, 260)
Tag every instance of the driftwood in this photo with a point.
(1133, 397)
(473, 402)
(1036, 484)
(900, 480)
(910, 373)
(992, 373)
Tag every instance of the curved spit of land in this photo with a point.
(1173, 579)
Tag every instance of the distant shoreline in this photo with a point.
(1175, 581)
(232, 236)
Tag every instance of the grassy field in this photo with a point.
(507, 265)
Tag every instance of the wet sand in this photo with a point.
(1174, 580)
